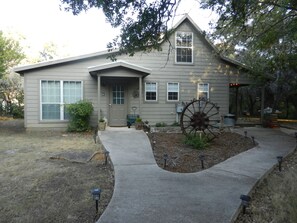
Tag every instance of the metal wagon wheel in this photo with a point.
(200, 116)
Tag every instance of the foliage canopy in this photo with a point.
(10, 54)
(141, 21)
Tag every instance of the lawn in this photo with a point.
(36, 188)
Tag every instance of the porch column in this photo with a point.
(140, 95)
(98, 96)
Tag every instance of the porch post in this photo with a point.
(98, 96)
(140, 95)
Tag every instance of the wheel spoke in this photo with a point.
(195, 118)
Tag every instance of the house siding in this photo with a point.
(207, 67)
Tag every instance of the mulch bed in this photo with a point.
(185, 159)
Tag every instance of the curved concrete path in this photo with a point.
(144, 193)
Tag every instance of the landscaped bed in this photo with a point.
(39, 186)
(184, 158)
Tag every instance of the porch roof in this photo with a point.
(95, 70)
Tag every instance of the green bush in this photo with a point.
(79, 116)
(197, 141)
(17, 111)
(161, 124)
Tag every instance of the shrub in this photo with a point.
(17, 111)
(197, 141)
(79, 116)
(160, 124)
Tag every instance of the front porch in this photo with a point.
(119, 91)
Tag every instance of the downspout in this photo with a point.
(98, 96)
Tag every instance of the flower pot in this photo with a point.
(102, 126)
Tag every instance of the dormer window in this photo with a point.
(184, 47)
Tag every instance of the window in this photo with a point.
(151, 91)
(172, 91)
(184, 47)
(203, 91)
(118, 95)
(54, 96)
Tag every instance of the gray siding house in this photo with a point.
(152, 85)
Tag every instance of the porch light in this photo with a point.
(165, 157)
(279, 160)
(245, 201)
(202, 158)
(96, 196)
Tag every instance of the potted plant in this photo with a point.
(138, 124)
(101, 124)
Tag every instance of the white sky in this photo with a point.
(41, 21)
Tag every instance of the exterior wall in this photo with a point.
(32, 93)
(207, 68)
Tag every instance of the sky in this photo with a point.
(38, 22)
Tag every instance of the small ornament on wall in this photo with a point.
(135, 93)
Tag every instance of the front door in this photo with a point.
(117, 106)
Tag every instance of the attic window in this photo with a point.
(184, 47)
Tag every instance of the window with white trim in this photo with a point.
(184, 47)
(55, 95)
(150, 91)
(172, 91)
(203, 91)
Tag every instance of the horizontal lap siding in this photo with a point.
(207, 68)
(32, 92)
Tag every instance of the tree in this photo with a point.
(10, 54)
(262, 34)
(143, 23)
(11, 90)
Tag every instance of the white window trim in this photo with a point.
(176, 47)
(173, 91)
(198, 90)
(61, 99)
(150, 82)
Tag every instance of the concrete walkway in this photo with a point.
(144, 193)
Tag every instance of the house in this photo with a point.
(153, 85)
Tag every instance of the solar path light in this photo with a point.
(165, 157)
(245, 133)
(202, 158)
(106, 153)
(279, 160)
(245, 201)
(96, 196)
(253, 139)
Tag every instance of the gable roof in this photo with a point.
(22, 69)
(94, 69)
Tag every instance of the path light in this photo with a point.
(106, 153)
(154, 144)
(165, 157)
(245, 133)
(96, 196)
(245, 201)
(296, 136)
(95, 136)
(279, 160)
(253, 138)
(202, 158)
